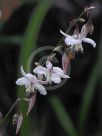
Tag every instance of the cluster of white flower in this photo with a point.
(32, 83)
(75, 41)
(54, 74)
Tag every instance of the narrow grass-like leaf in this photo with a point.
(63, 117)
(87, 99)
(90, 88)
(32, 32)
(28, 44)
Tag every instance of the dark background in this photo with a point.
(71, 93)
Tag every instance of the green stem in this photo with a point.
(12, 107)
(6, 116)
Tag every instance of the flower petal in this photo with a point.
(30, 76)
(48, 65)
(57, 70)
(64, 34)
(40, 88)
(88, 40)
(64, 76)
(22, 81)
(40, 70)
(72, 41)
(23, 72)
(55, 78)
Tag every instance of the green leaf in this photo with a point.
(88, 96)
(31, 35)
(90, 88)
(28, 45)
(63, 117)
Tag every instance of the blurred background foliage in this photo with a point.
(74, 109)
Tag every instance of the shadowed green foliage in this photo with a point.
(10, 39)
(90, 88)
(63, 117)
(88, 96)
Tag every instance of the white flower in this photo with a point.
(31, 83)
(52, 74)
(77, 39)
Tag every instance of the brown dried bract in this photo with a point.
(89, 10)
(19, 122)
(31, 103)
(76, 31)
(66, 59)
(87, 28)
(15, 119)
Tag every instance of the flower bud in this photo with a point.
(37, 64)
(1, 116)
(51, 56)
(15, 119)
(57, 48)
(89, 8)
(81, 20)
